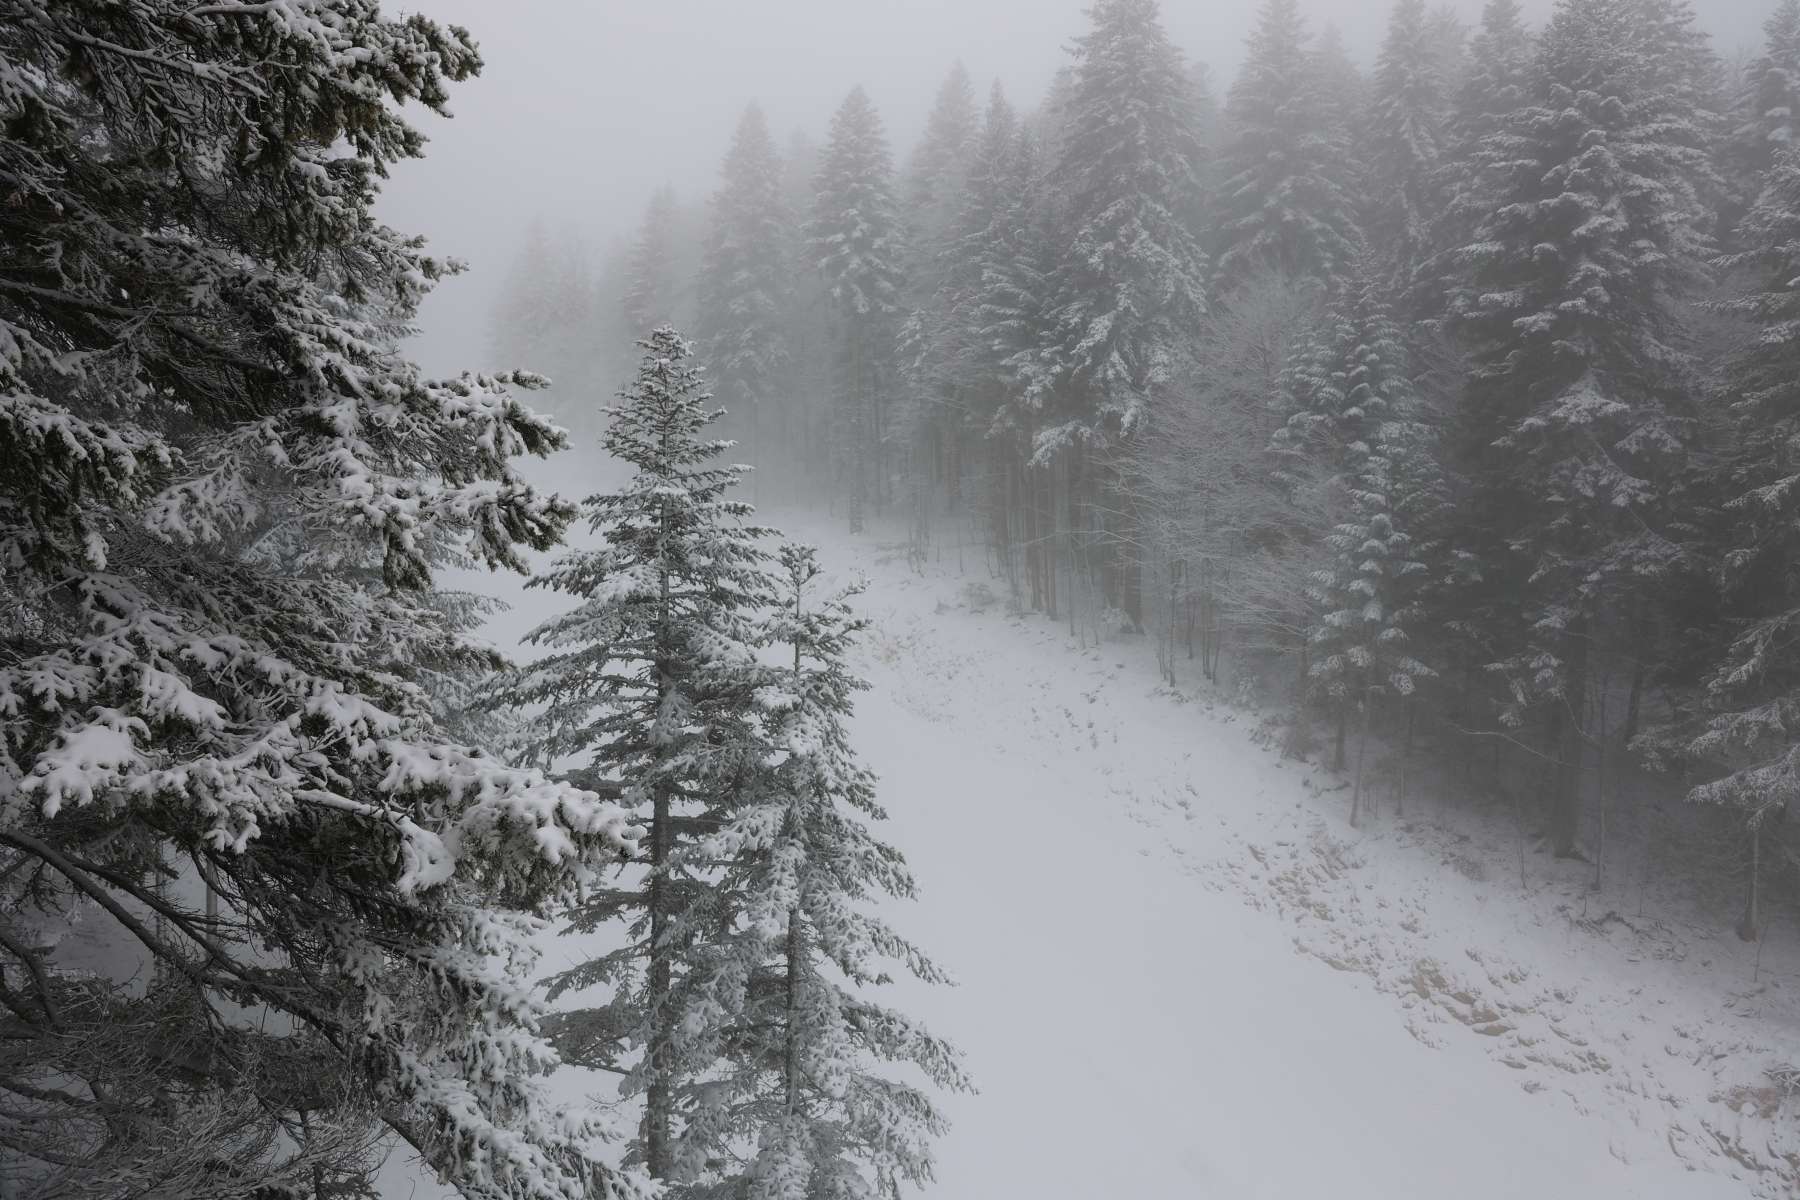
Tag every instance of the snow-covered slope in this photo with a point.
(1183, 975)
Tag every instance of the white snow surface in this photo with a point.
(1182, 974)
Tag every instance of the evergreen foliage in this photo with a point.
(223, 494)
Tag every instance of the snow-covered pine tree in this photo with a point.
(648, 681)
(1767, 113)
(1354, 411)
(1340, 79)
(854, 241)
(650, 272)
(981, 241)
(1577, 416)
(525, 313)
(1285, 201)
(1744, 738)
(545, 317)
(746, 291)
(809, 333)
(799, 1035)
(1447, 42)
(933, 181)
(1403, 134)
(222, 492)
(1496, 84)
(1128, 293)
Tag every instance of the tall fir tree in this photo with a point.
(746, 291)
(1744, 739)
(648, 682)
(648, 301)
(990, 249)
(1767, 111)
(545, 317)
(934, 178)
(1577, 415)
(1497, 84)
(855, 243)
(1128, 295)
(794, 975)
(1355, 421)
(1285, 202)
(1447, 43)
(1132, 286)
(223, 495)
(1403, 137)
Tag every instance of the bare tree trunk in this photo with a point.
(1751, 923)
(1362, 750)
(1337, 754)
(1565, 814)
(1600, 784)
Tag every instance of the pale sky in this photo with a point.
(585, 106)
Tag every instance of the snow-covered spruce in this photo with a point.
(650, 277)
(1578, 405)
(546, 315)
(648, 684)
(1286, 200)
(1408, 109)
(1355, 412)
(746, 290)
(222, 495)
(1741, 740)
(796, 1036)
(1131, 286)
(854, 241)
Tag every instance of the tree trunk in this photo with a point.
(1337, 755)
(796, 953)
(1362, 750)
(1565, 814)
(659, 1105)
(1751, 923)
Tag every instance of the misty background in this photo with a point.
(585, 108)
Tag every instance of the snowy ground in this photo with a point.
(1182, 974)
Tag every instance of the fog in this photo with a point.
(586, 106)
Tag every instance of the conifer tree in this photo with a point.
(793, 978)
(1127, 296)
(649, 298)
(1743, 740)
(1497, 84)
(545, 317)
(525, 314)
(648, 682)
(1768, 110)
(855, 243)
(1447, 43)
(934, 179)
(983, 252)
(746, 288)
(1407, 112)
(1285, 201)
(1576, 416)
(1131, 286)
(1355, 413)
(223, 494)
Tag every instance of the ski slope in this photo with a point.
(1181, 974)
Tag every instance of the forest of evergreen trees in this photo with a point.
(1452, 403)
(1448, 410)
